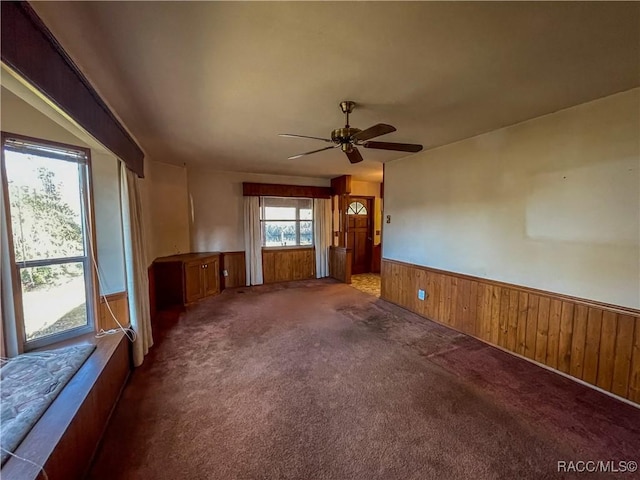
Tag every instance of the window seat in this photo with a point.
(29, 384)
(67, 434)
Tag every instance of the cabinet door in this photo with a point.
(193, 284)
(211, 277)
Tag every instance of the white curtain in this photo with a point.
(135, 263)
(10, 345)
(252, 241)
(322, 234)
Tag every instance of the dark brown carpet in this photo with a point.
(316, 380)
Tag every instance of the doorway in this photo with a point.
(359, 215)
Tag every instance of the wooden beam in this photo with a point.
(341, 185)
(30, 49)
(277, 190)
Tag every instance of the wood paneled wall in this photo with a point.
(119, 306)
(286, 264)
(376, 258)
(234, 264)
(340, 261)
(595, 342)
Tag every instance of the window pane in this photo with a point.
(356, 208)
(279, 234)
(306, 214)
(54, 299)
(279, 213)
(46, 207)
(306, 233)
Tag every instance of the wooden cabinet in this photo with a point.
(187, 278)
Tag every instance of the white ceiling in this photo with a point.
(213, 83)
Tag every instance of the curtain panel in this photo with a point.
(135, 263)
(10, 346)
(252, 241)
(322, 217)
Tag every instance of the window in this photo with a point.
(356, 208)
(49, 218)
(286, 221)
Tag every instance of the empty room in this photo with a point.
(319, 240)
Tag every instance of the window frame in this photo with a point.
(297, 222)
(88, 259)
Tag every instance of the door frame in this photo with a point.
(371, 203)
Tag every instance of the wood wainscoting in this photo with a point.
(340, 263)
(286, 264)
(234, 264)
(119, 305)
(594, 342)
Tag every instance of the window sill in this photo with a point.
(290, 247)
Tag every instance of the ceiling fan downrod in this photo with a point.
(347, 108)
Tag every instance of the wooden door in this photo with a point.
(211, 277)
(193, 282)
(359, 235)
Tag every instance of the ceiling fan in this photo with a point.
(348, 138)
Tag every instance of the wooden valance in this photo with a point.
(30, 49)
(277, 190)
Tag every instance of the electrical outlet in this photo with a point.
(421, 294)
(225, 273)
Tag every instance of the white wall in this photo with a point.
(216, 206)
(165, 208)
(552, 203)
(20, 117)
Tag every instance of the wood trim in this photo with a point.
(29, 48)
(285, 249)
(113, 297)
(594, 342)
(340, 263)
(278, 190)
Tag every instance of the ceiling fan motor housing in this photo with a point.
(343, 135)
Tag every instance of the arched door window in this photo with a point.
(356, 208)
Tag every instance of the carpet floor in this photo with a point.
(316, 380)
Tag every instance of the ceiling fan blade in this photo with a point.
(400, 147)
(354, 155)
(291, 135)
(375, 131)
(312, 151)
